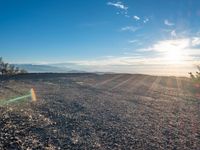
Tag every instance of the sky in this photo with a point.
(130, 36)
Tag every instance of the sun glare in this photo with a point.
(174, 51)
(174, 57)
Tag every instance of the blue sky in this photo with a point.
(134, 36)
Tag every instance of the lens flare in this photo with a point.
(33, 95)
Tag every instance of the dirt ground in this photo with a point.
(90, 111)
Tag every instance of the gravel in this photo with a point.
(89, 111)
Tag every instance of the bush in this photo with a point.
(196, 82)
(7, 69)
(196, 78)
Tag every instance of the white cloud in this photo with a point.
(133, 41)
(173, 33)
(118, 5)
(198, 33)
(177, 54)
(170, 45)
(178, 51)
(136, 18)
(130, 28)
(166, 57)
(195, 41)
(168, 23)
(157, 57)
(146, 20)
(137, 64)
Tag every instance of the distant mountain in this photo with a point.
(46, 68)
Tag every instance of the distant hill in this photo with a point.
(31, 68)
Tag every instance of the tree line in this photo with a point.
(9, 69)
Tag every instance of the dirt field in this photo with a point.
(88, 111)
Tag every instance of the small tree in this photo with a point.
(6, 69)
(196, 82)
(17, 70)
(1, 64)
(23, 71)
(196, 78)
(11, 69)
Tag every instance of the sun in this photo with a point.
(174, 56)
(173, 52)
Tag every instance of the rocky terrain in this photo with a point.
(90, 111)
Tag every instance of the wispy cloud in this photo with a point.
(158, 62)
(160, 49)
(133, 41)
(182, 51)
(127, 16)
(168, 45)
(166, 57)
(130, 28)
(93, 24)
(146, 20)
(168, 23)
(195, 41)
(137, 64)
(118, 5)
(173, 33)
(136, 18)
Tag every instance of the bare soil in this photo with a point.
(89, 111)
